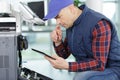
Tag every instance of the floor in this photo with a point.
(44, 67)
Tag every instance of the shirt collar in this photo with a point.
(84, 10)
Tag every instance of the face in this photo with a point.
(65, 18)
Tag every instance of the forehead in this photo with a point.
(58, 14)
(62, 11)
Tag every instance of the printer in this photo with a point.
(10, 28)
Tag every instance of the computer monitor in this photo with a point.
(38, 8)
(29, 15)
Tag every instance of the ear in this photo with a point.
(72, 8)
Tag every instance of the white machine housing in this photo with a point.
(10, 28)
(8, 49)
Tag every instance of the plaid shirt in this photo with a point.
(100, 48)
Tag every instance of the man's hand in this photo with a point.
(56, 35)
(59, 63)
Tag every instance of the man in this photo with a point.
(90, 37)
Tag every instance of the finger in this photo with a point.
(59, 33)
(53, 36)
(57, 27)
(55, 56)
(60, 37)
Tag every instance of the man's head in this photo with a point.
(55, 7)
(63, 11)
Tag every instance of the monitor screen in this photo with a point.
(37, 8)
